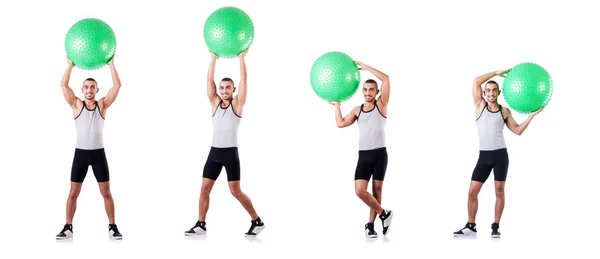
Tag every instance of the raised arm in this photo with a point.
(210, 80)
(111, 96)
(67, 91)
(477, 91)
(385, 81)
(241, 96)
(514, 126)
(343, 122)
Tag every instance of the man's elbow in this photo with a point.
(519, 131)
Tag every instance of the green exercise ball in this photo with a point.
(90, 43)
(527, 87)
(334, 77)
(228, 31)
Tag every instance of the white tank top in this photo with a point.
(225, 127)
(491, 127)
(89, 125)
(371, 126)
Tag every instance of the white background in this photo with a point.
(297, 167)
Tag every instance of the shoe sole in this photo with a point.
(195, 234)
(465, 235)
(495, 236)
(63, 238)
(116, 238)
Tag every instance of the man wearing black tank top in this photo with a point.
(490, 118)
(227, 113)
(372, 154)
(89, 117)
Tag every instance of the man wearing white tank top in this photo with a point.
(372, 154)
(226, 113)
(490, 118)
(89, 115)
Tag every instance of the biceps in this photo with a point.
(349, 119)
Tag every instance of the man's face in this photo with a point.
(492, 91)
(89, 89)
(370, 91)
(226, 90)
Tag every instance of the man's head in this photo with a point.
(370, 90)
(226, 88)
(89, 88)
(491, 91)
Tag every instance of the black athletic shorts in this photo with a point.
(488, 160)
(371, 163)
(83, 159)
(222, 157)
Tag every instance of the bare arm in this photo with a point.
(343, 122)
(111, 96)
(210, 80)
(385, 81)
(241, 96)
(67, 91)
(477, 92)
(514, 126)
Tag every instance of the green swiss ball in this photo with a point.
(90, 43)
(228, 31)
(527, 87)
(334, 77)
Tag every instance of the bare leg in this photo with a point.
(207, 185)
(473, 202)
(236, 191)
(499, 187)
(360, 186)
(377, 191)
(109, 204)
(72, 201)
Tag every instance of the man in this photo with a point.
(227, 112)
(89, 115)
(490, 118)
(372, 154)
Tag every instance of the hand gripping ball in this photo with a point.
(228, 31)
(90, 43)
(334, 77)
(527, 87)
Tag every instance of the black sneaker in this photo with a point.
(198, 229)
(370, 230)
(113, 232)
(256, 227)
(470, 229)
(67, 232)
(386, 220)
(495, 232)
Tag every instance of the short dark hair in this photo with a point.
(493, 82)
(227, 79)
(371, 81)
(90, 79)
